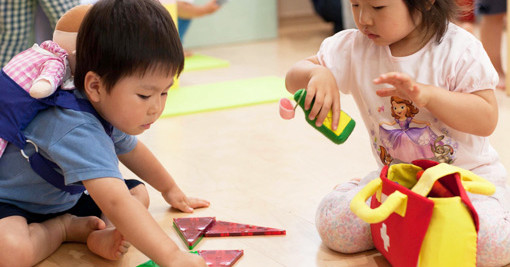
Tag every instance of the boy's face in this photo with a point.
(135, 103)
(386, 22)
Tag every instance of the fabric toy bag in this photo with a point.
(414, 226)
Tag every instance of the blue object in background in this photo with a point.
(183, 26)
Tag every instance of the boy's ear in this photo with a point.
(93, 86)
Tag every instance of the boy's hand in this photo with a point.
(404, 87)
(322, 86)
(182, 258)
(177, 199)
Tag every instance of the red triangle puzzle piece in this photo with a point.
(222, 228)
(220, 258)
(192, 230)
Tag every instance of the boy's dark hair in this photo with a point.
(118, 38)
(435, 17)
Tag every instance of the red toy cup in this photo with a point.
(286, 109)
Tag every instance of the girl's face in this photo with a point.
(388, 22)
(134, 102)
(399, 108)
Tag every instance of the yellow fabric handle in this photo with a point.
(471, 182)
(391, 204)
(397, 201)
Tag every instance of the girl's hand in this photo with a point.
(404, 87)
(211, 7)
(177, 199)
(322, 86)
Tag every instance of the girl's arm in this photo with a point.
(135, 223)
(474, 113)
(145, 165)
(188, 10)
(320, 84)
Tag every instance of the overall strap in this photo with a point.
(18, 109)
(67, 99)
(45, 167)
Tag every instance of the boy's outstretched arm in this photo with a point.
(134, 221)
(145, 165)
(320, 84)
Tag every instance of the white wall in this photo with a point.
(235, 21)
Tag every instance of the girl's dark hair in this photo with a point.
(436, 16)
(118, 38)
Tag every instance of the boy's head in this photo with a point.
(120, 38)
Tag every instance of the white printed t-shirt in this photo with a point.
(458, 63)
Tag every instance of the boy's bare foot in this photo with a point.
(77, 229)
(108, 243)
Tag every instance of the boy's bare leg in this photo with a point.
(104, 242)
(491, 31)
(27, 244)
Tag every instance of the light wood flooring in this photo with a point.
(256, 168)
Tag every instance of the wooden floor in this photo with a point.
(256, 168)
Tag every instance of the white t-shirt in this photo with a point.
(459, 63)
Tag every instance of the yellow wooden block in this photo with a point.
(171, 6)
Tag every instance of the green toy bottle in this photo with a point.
(345, 126)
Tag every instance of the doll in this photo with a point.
(40, 70)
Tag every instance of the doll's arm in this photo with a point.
(420, 122)
(145, 165)
(387, 123)
(51, 76)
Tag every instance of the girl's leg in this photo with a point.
(338, 227)
(494, 233)
(27, 244)
(491, 31)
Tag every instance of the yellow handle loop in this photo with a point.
(397, 201)
(391, 204)
(471, 182)
(475, 184)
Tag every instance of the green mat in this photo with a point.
(203, 62)
(223, 95)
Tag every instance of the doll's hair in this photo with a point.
(436, 14)
(119, 38)
(411, 109)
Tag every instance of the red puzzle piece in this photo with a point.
(191, 230)
(222, 228)
(220, 258)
